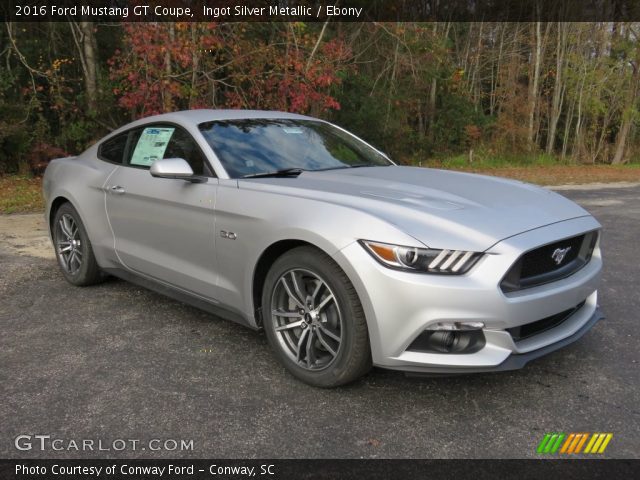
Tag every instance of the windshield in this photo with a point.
(254, 146)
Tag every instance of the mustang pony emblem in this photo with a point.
(559, 254)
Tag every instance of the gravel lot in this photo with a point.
(119, 362)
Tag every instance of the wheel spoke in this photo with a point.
(73, 257)
(289, 326)
(65, 227)
(325, 344)
(290, 293)
(62, 249)
(324, 302)
(314, 295)
(329, 333)
(67, 260)
(301, 340)
(311, 355)
(296, 287)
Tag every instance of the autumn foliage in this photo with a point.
(568, 91)
(171, 66)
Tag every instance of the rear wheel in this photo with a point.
(73, 248)
(313, 319)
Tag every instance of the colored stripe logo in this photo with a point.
(573, 443)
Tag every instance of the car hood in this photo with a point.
(441, 209)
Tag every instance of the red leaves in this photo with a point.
(40, 156)
(170, 66)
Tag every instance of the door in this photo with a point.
(164, 228)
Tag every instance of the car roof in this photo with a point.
(199, 116)
(196, 117)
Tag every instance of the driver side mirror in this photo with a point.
(176, 168)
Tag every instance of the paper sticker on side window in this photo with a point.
(151, 146)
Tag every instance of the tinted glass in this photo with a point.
(247, 147)
(156, 142)
(182, 145)
(113, 149)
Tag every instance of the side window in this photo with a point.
(182, 145)
(150, 146)
(113, 149)
(156, 142)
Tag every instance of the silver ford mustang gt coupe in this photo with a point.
(346, 260)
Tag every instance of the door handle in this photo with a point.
(117, 189)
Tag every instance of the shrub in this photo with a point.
(40, 156)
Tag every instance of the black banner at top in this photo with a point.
(320, 10)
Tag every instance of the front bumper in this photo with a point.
(399, 306)
(517, 361)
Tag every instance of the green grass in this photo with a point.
(488, 161)
(485, 159)
(20, 194)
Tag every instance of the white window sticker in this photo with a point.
(151, 145)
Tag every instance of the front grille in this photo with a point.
(540, 260)
(534, 328)
(550, 262)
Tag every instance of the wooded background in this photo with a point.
(568, 91)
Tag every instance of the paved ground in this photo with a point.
(118, 362)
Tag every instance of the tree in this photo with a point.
(85, 41)
(631, 98)
(234, 65)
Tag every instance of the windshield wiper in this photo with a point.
(295, 171)
(357, 165)
(285, 172)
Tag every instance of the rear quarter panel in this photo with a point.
(80, 180)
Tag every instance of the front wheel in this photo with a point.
(314, 320)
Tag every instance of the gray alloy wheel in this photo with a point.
(307, 319)
(73, 248)
(313, 319)
(68, 244)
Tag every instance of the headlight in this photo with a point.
(427, 260)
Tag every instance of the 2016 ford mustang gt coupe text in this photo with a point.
(346, 260)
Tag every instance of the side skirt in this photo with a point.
(179, 295)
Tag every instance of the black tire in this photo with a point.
(83, 270)
(328, 364)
